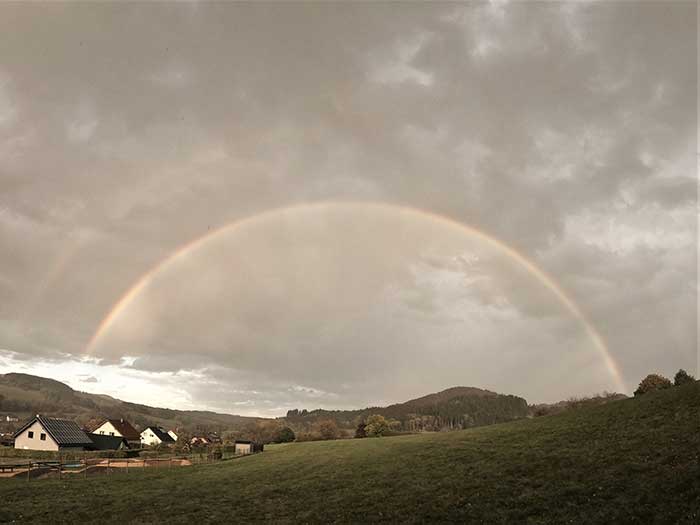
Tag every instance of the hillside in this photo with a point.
(25, 395)
(459, 407)
(632, 461)
(454, 408)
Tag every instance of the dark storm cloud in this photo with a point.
(568, 130)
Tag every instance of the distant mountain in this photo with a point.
(454, 408)
(24, 395)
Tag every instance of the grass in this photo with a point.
(631, 461)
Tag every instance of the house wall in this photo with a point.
(107, 429)
(24, 442)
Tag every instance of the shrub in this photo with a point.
(376, 425)
(682, 377)
(328, 429)
(285, 435)
(652, 382)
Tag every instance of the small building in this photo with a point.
(105, 442)
(119, 428)
(153, 436)
(242, 446)
(172, 434)
(48, 433)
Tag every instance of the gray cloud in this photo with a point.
(566, 130)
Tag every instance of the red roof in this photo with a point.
(124, 428)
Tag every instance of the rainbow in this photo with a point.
(183, 251)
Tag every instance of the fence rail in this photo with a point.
(69, 468)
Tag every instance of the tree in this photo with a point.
(285, 435)
(360, 431)
(328, 429)
(682, 377)
(652, 382)
(376, 425)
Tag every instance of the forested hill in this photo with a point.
(454, 408)
(23, 395)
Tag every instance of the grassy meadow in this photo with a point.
(631, 461)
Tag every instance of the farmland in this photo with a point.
(635, 460)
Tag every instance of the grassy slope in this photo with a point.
(635, 460)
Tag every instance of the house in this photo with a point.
(156, 436)
(6, 440)
(214, 438)
(106, 442)
(48, 433)
(205, 440)
(119, 428)
(172, 434)
(199, 441)
(242, 446)
(9, 419)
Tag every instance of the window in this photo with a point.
(111, 433)
(102, 432)
(31, 435)
(42, 436)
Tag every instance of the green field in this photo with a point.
(631, 461)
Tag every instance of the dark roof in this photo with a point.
(125, 429)
(103, 442)
(244, 441)
(161, 434)
(63, 431)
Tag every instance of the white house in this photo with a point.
(119, 428)
(172, 434)
(155, 436)
(48, 433)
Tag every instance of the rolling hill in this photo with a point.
(454, 408)
(632, 461)
(26, 395)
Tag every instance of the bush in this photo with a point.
(328, 429)
(285, 435)
(376, 426)
(682, 377)
(652, 382)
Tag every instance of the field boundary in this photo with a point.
(90, 467)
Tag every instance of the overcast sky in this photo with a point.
(565, 131)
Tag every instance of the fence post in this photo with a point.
(108, 471)
(86, 467)
(29, 468)
(127, 465)
(60, 464)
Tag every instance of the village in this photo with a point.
(43, 433)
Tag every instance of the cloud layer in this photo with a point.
(567, 130)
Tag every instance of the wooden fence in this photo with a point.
(64, 469)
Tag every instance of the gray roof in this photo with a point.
(63, 431)
(104, 442)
